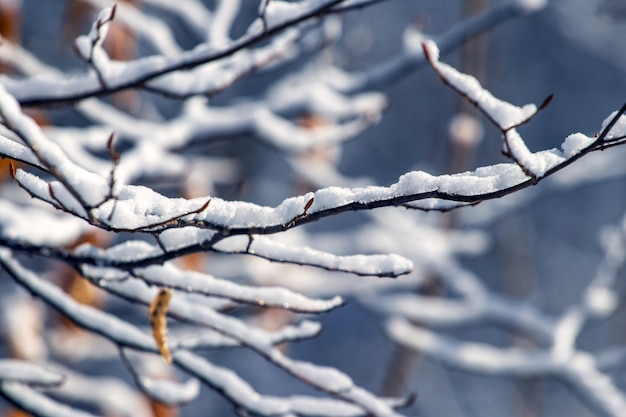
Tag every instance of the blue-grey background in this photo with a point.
(574, 49)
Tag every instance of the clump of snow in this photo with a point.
(414, 182)
(575, 143)
(237, 214)
(138, 206)
(35, 186)
(537, 163)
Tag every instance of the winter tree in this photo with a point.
(191, 224)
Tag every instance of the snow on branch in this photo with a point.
(243, 396)
(151, 29)
(476, 357)
(16, 151)
(156, 212)
(134, 74)
(504, 115)
(472, 310)
(169, 276)
(89, 46)
(19, 379)
(37, 404)
(176, 242)
(88, 178)
(212, 78)
(170, 393)
(328, 380)
(115, 329)
(267, 118)
(508, 117)
(556, 353)
(578, 369)
(192, 339)
(28, 374)
(28, 221)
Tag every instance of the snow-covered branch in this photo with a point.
(125, 334)
(116, 76)
(87, 195)
(197, 200)
(556, 353)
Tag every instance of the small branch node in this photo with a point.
(300, 216)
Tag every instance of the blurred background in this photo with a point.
(542, 243)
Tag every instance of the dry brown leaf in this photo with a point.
(158, 317)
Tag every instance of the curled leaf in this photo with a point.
(158, 317)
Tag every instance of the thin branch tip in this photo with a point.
(546, 102)
(204, 206)
(115, 155)
(308, 205)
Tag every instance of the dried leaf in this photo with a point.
(12, 169)
(158, 317)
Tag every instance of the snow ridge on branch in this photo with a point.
(88, 179)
